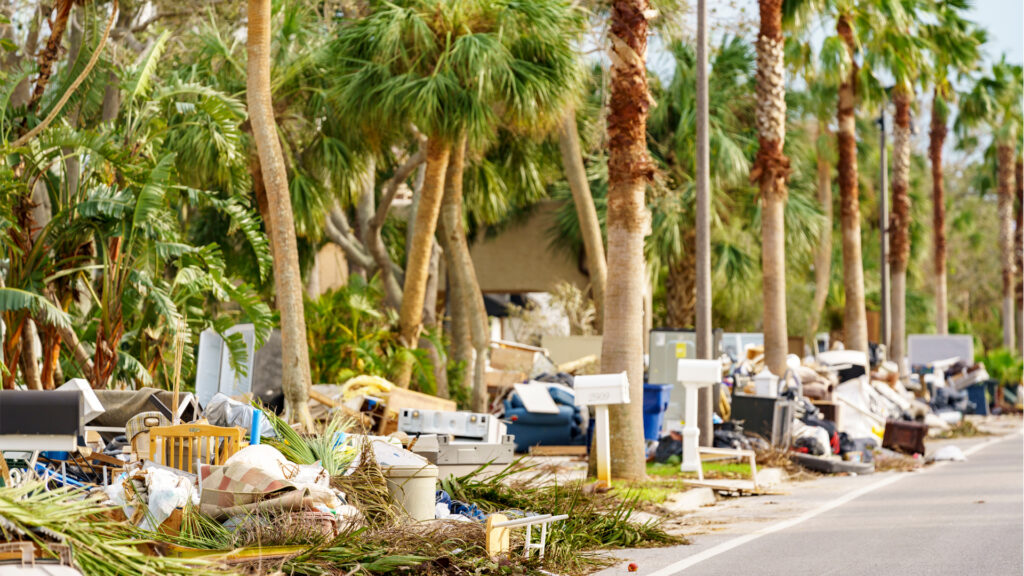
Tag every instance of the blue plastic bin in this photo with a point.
(976, 395)
(655, 404)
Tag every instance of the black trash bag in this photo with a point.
(811, 445)
(669, 445)
(730, 435)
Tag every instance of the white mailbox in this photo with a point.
(601, 389)
(694, 375)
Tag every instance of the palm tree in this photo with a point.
(287, 275)
(455, 74)
(995, 101)
(855, 22)
(672, 128)
(955, 44)
(590, 228)
(771, 169)
(899, 48)
(629, 170)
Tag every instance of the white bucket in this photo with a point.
(412, 489)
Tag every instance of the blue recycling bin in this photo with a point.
(655, 404)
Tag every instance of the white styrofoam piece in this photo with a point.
(601, 389)
(91, 405)
(536, 398)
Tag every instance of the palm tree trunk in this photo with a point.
(823, 252)
(936, 140)
(471, 300)
(438, 360)
(295, 379)
(1005, 167)
(681, 290)
(590, 227)
(29, 357)
(1019, 248)
(629, 170)
(417, 270)
(899, 227)
(855, 322)
(772, 169)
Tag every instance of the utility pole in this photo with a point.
(703, 248)
(883, 227)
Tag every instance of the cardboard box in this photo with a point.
(511, 359)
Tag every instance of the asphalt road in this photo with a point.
(957, 518)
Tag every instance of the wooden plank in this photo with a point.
(558, 450)
(400, 398)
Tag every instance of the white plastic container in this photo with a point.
(412, 488)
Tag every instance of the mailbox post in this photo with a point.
(694, 375)
(600, 391)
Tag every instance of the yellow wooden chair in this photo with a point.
(180, 446)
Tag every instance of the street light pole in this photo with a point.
(883, 227)
(703, 226)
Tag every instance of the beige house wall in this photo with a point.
(521, 258)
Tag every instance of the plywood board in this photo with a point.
(536, 398)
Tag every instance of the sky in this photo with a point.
(1004, 20)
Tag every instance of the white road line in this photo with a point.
(685, 563)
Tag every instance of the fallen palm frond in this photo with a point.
(367, 490)
(886, 460)
(100, 546)
(325, 448)
(780, 458)
(963, 429)
(596, 521)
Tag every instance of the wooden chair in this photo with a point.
(180, 446)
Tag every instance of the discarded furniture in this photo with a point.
(600, 391)
(499, 527)
(462, 425)
(737, 486)
(182, 445)
(832, 465)
(694, 375)
(40, 420)
(214, 372)
(770, 417)
(567, 427)
(400, 399)
(458, 458)
(924, 349)
(904, 436)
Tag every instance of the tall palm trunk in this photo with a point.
(899, 227)
(772, 169)
(470, 298)
(823, 252)
(1005, 167)
(590, 227)
(629, 170)
(1019, 248)
(417, 270)
(681, 290)
(295, 379)
(936, 140)
(855, 322)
